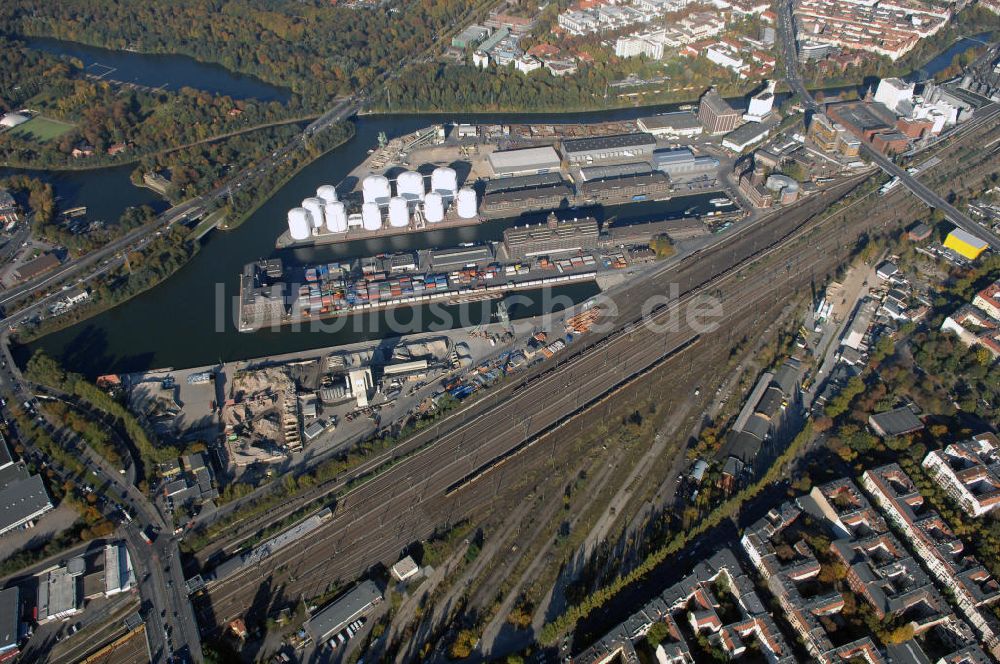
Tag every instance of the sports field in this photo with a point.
(42, 129)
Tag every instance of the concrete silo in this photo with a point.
(433, 207)
(315, 207)
(444, 181)
(399, 214)
(299, 223)
(327, 192)
(410, 185)
(371, 216)
(375, 189)
(466, 203)
(336, 217)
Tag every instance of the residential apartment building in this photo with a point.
(969, 472)
(716, 603)
(973, 588)
(891, 28)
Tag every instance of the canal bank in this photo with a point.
(106, 193)
(151, 70)
(188, 320)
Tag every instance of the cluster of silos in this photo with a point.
(317, 211)
(326, 210)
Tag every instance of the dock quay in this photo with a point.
(271, 295)
(464, 175)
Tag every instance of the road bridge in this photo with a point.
(786, 35)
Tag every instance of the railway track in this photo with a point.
(740, 245)
(377, 519)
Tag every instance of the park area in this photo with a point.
(42, 129)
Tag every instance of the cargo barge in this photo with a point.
(337, 289)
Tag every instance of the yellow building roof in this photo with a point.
(965, 244)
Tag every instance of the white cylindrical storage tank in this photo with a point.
(410, 185)
(399, 214)
(299, 223)
(444, 180)
(375, 189)
(433, 207)
(336, 217)
(371, 217)
(315, 207)
(327, 192)
(466, 203)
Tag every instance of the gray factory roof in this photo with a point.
(743, 446)
(860, 115)
(676, 120)
(607, 142)
(678, 156)
(615, 171)
(9, 618)
(516, 182)
(529, 194)
(56, 594)
(524, 159)
(343, 611)
(460, 256)
(15, 472)
(642, 180)
(22, 500)
(747, 133)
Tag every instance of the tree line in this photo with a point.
(320, 50)
(103, 114)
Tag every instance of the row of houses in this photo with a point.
(978, 323)
(972, 587)
(887, 27)
(877, 570)
(715, 604)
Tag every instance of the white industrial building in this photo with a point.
(525, 161)
(746, 135)
(675, 125)
(892, 92)
(405, 569)
(361, 385)
(118, 573)
(760, 105)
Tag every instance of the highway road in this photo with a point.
(786, 36)
(376, 520)
(161, 585)
(90, 266)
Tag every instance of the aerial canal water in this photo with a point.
(105, 192)
(187, 320)
(153, 70)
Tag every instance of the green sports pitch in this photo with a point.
(42, 129)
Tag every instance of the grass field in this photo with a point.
(42, 129)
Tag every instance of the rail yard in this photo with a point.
(405, 510)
